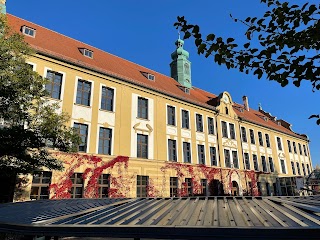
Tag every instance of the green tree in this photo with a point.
(28, 122)
(282, 46)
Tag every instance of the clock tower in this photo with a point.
(180, 65)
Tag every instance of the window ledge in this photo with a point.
(144, 119)
(169, 125)
(80, 105)
(53, 99)
(104, 110)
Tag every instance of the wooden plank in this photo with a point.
(88, 211)
(229, 213)
(262, 219)
(153, 213)
(286, 213)
(303, 214)
(243, 214)
(208, 218)
(215, 212)
(203, 211)
(158, 219)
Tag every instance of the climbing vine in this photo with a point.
(62, 188)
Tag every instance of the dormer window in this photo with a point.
(88, 53)
(151, 77)
(187, 90)
(31, 32)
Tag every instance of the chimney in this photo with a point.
(245, 103)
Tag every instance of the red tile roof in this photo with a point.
(67, 49)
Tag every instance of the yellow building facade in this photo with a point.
(149, 135)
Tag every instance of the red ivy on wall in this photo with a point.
(73, 161)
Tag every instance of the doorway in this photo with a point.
(235, 189)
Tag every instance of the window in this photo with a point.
(107, 95)
(271, 164)
(173, 187)
(283, 166)
(247, 160)
(298, 168)
(185, 119)
(172, 150)
(203, 183)
(293, 168)
(232, 132)
(83, 92)
(300, 149)
(142, 108)
(264, 164)
(243, 134)
(210, 125)
(252, 140)
(88, 53)
(171, 116)
(267, 140)
(289, 146)
(104, 185)
(279, 144)
(29, 31)
(224, 129)
(199, 123)
(54, 84)
(142, 146)
(186, 152)
(77, 185)
(188, 184)
(201, 155)
(255, 162)
(40, 185)
(213, 156)
(105, 137)
(305, 150)
(151, 77)
(142, 184)
(303, 169)
(235, 159)
(227, 158)
(260, 138)
(294, 147)
(82, 130)
(308, 168)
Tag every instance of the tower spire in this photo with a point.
(180, 65)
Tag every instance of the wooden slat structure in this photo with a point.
(167, 218)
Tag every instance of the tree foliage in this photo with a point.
(28, 121)
(282, 46)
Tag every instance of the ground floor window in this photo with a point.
(142, 184)
(76, 190)
(173, 187)
(40, 185)
(203, 187)
(104, 185)
(188, 182)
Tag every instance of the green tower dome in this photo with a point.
(180, 65)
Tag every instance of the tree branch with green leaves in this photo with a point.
(29, 122)
(282, 46)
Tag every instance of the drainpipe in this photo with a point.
(218, 149)
(244, 165)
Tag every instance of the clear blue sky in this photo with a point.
(142, 31)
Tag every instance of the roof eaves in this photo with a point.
(115, 75)
(277, 130)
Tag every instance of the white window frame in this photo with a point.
(76, 89)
